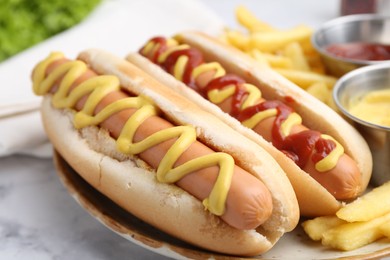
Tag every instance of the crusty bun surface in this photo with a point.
(126, 180)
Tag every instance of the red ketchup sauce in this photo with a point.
(194, 59)
(358, 6)
(162, 47)
(360, 51)
(299, 146)
(239, 94)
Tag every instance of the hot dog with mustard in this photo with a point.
(328, 161)
(161, 157)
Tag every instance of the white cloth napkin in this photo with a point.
(118, 26)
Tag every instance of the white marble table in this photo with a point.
(38, 218)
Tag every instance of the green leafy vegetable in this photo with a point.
(24, 23)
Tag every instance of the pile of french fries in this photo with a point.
(357, 224)
(289, 52)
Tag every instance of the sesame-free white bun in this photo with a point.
(131, 183)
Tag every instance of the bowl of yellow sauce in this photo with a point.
(363, 96)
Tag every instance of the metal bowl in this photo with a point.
(367, 28)
(351, 87)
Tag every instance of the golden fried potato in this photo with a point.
(316, 227)
(275, 40)
(275, 61)
(385, 229)
(288, 51)
(247, 19)
(320, 91)
(373, 204)
(356, 224)
(354, 235)
(237, 39)
(305, 79)
(294, 51)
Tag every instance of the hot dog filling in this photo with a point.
(317, 154)
(68, 93)
(187, 64)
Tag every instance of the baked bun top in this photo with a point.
(110, 173)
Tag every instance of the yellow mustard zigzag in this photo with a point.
(97, 88)
(217, 96)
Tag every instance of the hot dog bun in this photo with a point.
(314, 199)
(126, 179)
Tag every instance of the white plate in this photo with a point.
(294, 245)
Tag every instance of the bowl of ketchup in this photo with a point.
(353, 41)
(363, 96)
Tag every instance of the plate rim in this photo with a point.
(159, 246)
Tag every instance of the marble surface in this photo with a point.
(38, 218)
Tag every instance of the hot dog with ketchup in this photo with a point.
(328, 160)
(161, 157)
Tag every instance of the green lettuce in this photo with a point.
(24, 23)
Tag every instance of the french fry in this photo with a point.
(371, 205)
(308, 48)
(237, 39)
(294, 51)
(354, 235)
(371, 216)
(316, 227)
(385, 229)
(276, 40)
(315, 64)
(289, 51)
(247, 19)
(259, 56)
(305, 79)
(320, 91)
(275, 61)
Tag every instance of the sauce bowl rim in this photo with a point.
(341, 83)
(343, 20)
